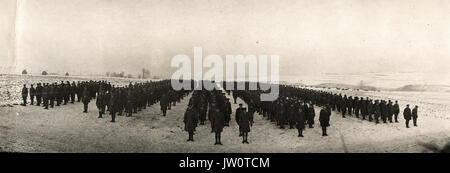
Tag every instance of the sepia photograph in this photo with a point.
(224, 76)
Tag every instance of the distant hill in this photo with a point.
(346, 86)
(423, 88)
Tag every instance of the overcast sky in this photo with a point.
(311, 36)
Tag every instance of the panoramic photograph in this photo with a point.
(214, 76)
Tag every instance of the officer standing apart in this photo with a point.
(244, 125)
(324, 119)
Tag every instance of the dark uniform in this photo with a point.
(101, 103)
(396, 110)
(24, 95)
(414, 115)
(239, 112)
(218, 122)
(190, 122)
(301, 118)
(32, 94)
(324, 120)
(164, 103)
(244, 126)
(86, 99)
(407, 115)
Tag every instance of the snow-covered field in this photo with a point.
(67, 129)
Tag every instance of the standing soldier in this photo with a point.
(377, 111)
(244, 126)
(407, 115)
(73, 89)
(24, 94)
(45, 95)
(130, 103)
(79, 91)
(38, 94)
(324, 119)
(300, 118)
(164, 103)
(101, 103)
(390, 111)
(113, 106)
(190, 121)
(86, 99)
(414, 115)
(357, 106)
(32, 94)
(396, 110)
(311, 115)
(218, 122)
(239, 112)
(228, 112)
(51, 95)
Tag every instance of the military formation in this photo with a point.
(125, 100)
(295, 108)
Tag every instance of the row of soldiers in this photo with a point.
(129, 98)
(218, 108)
(46, 94)
(290, 98)
(135, 97)
(291, 111)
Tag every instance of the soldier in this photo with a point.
(32, 94)
(311, 115)
(190, 121)
(79, 91)
(414, 115)
(344, 106)
(390, 111)
(228, 112)
(239, 112)
(73, 89)
(244, 126)
(218, 122)
(45, 95)
(113, 106)
(370, 110)
(164, 103)
(357, 106)
(407, 115)
(377, 112)
(396, 110)
(291, 116)
(38, 94)
(130, 103)
(300, 118)
(24, 94)
(101, 103)
(51, 95)
(384, 111)
(324, 119)
(86, 99)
